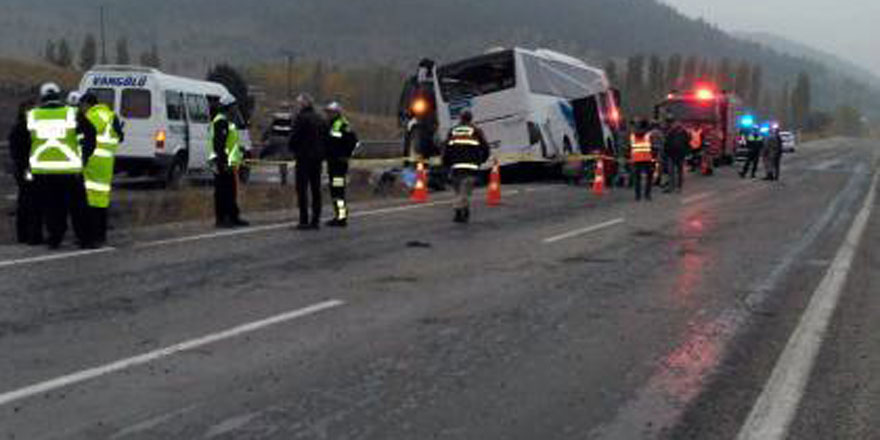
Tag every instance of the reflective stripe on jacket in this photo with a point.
(466, 149)
(98, 172)
(55, 147)
(234, 154)
(641, 148)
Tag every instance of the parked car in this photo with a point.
(789, 141)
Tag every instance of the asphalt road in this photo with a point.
(559, 315)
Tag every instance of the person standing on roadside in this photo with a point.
(98, 171)
(658, 148)
(307, 145)
(754, 144)
(341, 143)
(28, 215)
(642, 160)
(772, 155)
(226, 156)
(62, 140)
(677, 145)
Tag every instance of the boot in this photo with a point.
(459, 216)
(337, 223)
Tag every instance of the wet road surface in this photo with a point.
(558, 315)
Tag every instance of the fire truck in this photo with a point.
(711, 119)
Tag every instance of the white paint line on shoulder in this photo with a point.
(697, 197)
(776, 407)
(124, 364)
(583, 231)
(52, 257)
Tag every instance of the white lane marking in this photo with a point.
(697, 197)
(776, 407)
(583, 231)
(53, 257)
(124, 364)
(659, 404)
(151, 423)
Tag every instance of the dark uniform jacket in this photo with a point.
(308, 136)
(678, 142)
(20, 146)
(466, 154)
(340, 149)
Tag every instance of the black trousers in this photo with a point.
(226, 197)
(28, 214)
(676, 174)
(643, 171)
(97, 224)
(308, 183)
(62, 196)
(751, 162)
(338, 169)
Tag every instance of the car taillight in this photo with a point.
(160, 140)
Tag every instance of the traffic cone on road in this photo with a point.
(420, 190)
(599, 180)
(493, 196)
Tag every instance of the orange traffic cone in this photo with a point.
(599, 181)
(420, 191)
(493, 196)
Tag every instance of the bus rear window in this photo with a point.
(136, 104)
(105, 96)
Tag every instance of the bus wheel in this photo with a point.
(174, 174)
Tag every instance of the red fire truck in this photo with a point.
(710, 117)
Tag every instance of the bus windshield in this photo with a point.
(691, 111)
(478, 76)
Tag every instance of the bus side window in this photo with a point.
(136, 104)
(105, 96)
(174, 105)
(197, 108)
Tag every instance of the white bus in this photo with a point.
(534, 105)
(167, 119)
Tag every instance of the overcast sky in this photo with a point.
(849, 28)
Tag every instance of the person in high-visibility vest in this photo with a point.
(466, 149)
(225, 157)
(341, 143)
(754, 144)
(98, 171)
(642, 159)
(62, 139)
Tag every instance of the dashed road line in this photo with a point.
(583, 231)
(53, 257)
(124, 364)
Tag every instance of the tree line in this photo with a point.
(60, 53)
(646, 80)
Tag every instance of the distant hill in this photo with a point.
(193, 34)
(786, 46)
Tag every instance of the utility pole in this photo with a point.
(103, 39)
(290, 77)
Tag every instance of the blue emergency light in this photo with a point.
(747, 121)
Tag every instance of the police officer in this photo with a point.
(307, 140)
(642, 159)
(341, 143)
(226, 157)
(28, 215)
(98, 171)
(62, 139)
(754, 144)
(466, 149)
